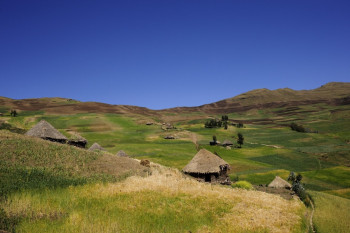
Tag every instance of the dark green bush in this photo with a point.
(298, 128)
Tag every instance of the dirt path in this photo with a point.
(194, 138)
(311, 217)
(274, 146)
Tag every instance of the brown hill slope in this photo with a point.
(69, 106)
(335, 93)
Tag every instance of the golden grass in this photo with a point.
(166, 194)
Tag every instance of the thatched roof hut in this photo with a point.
(122, 153)
(278, 182)
(77, 140)
(227, 143)
(96, 147)
(46, 131)
(206, 166)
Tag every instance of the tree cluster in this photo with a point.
(298, 188)
(216, 123)
(13, 113)
(213, 123)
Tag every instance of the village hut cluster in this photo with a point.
(204, 166)
(46, 131)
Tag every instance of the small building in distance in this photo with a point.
(167, 126)
(278, 182)
(122, 153)
(208, 167)
(214, 143)
(96, 147)
(227, 143)
(46, 131)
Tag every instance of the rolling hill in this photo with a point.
(271, 148)
(335, 93)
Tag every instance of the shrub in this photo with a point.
(298, 128)
(243, 185)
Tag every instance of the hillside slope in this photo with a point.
(69, 106)
(335, 93)
(46, 191)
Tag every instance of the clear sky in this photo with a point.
(169, 53)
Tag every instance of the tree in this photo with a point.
(225, 124)
(240, 140)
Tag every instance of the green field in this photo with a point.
(269, 149)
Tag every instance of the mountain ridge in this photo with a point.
(335, 93)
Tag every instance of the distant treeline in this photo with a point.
(216, 123)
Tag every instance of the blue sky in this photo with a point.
(161, 54)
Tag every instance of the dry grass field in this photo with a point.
(165, 201)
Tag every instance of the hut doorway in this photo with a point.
(207, 178)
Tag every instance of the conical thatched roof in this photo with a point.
(45, 130)
(278, 182)
(122, 153)
(95, 147)
(204, 162)
(76, 137)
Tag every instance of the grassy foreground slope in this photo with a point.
(62, 189)
(163, 202)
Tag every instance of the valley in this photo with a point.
(321, 156)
